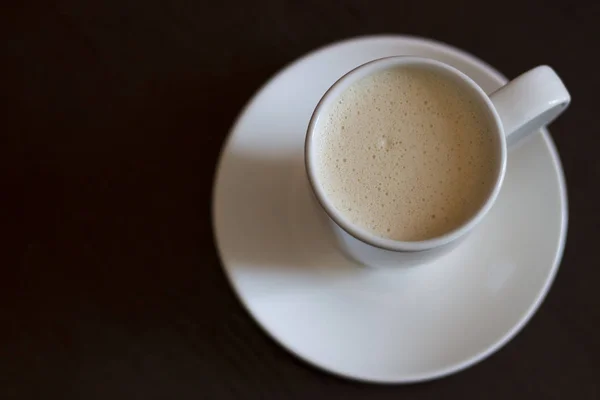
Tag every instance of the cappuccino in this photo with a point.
(406, 154)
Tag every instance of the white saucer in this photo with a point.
(392, 326)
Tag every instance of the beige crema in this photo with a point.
(406, 154)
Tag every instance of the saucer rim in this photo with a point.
(471, 361)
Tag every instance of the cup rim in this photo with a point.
(361, 234)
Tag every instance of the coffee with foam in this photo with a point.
(406, 154)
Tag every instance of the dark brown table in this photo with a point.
(112, 119)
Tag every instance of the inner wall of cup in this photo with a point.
(486, 109)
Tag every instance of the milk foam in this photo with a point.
(405, 154)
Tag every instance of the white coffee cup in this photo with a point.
(519, 108)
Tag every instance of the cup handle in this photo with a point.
(529, 102)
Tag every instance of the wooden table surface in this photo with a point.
(113, 116)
